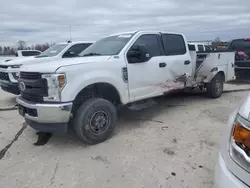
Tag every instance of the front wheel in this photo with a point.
(95, 120)
(215, 87)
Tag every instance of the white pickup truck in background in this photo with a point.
(9, 70)
(120, 69)
(23, 54)
(199, 47)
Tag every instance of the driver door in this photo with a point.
(146, 74)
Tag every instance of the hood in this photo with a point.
(244, 109)
(52, 66)
(16, 61)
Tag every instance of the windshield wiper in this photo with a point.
(91, 54)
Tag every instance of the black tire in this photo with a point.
(95, 120)
(215, 87)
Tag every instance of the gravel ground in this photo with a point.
(172, 143)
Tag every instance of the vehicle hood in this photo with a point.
(52, 66)
(244, 109)
(16, 61)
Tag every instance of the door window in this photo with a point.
(148, 44)
(174, 44)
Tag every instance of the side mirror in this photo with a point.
(137, 54)
(69, 54)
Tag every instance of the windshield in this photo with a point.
(52, 51)
(108, 46)
(240, 44)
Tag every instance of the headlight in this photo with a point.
(241, 132)
(16, 75)
(240, 142)
(15, 66)
(56, 83)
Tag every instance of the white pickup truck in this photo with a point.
(120, 69)
(23, 54)
(9, 70)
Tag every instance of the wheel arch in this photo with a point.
(103, 90)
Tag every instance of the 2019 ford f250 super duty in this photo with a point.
(120, 69)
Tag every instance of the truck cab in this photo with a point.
(120, 69)
(199, 47)
(9, 70)
(27, 53)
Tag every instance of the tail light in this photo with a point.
(241, 53)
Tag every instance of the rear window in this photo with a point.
(200, 48)
(240, 44)
(207, 48)
(174, 44)
(30, 53)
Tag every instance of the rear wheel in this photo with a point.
(215, 87)
(95, 120)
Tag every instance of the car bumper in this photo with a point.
(45, 117)
(224, 178)
(10, 87)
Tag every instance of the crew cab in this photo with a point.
(233, 165)
(121, 69)
(9, 71)
(242, 57)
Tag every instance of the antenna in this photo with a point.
(70, 32)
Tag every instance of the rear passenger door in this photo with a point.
(144, 77)
(178, 60)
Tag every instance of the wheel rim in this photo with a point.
(218, 86)
(99, 122)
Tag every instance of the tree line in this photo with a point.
(21, 45)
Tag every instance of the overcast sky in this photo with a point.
(43, 21)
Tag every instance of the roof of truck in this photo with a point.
(75, 42)
(142, 31)
(28, 50)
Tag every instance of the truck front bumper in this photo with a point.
(10, 87)
(224, 178)
(45, 117)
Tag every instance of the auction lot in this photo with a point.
(172, 143)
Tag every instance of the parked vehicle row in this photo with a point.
(58, 91)
(9, 70)
(120, 69)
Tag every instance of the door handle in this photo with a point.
(187, 62)
(161, 65)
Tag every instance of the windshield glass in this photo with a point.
(240, 44)
(108, 46)
(52, 51)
